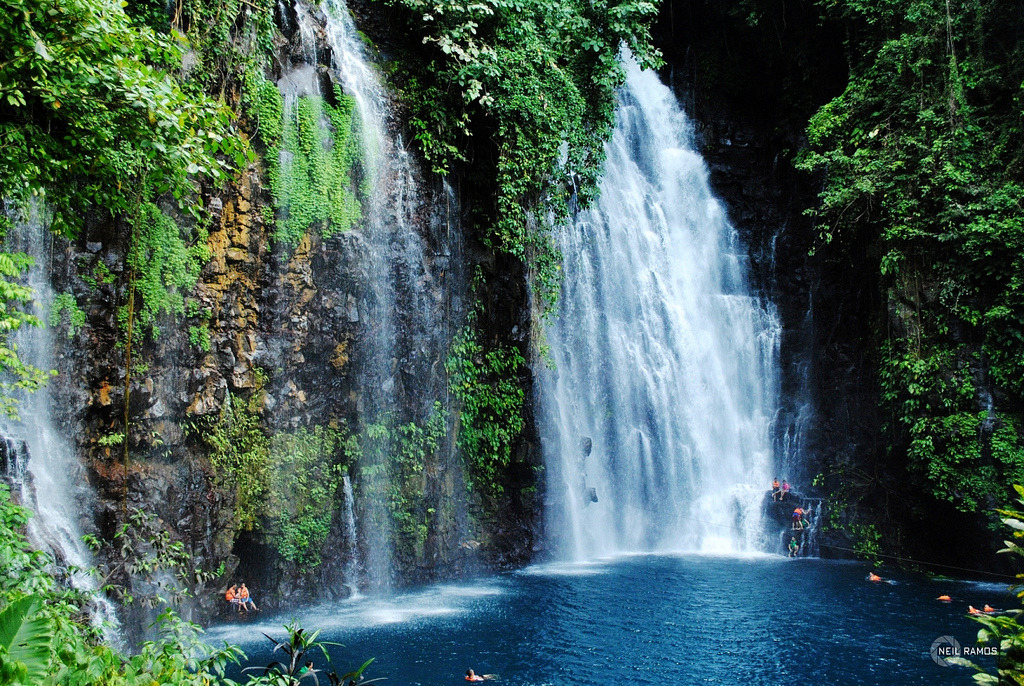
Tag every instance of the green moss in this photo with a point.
(305, 483)
(239, 455)
(485, 382)
(393, 458)
(165, 260)
(313, 159)
(65, 310)
(199, 337)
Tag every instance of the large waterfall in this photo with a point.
(657, 411)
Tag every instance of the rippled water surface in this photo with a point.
(652, 620)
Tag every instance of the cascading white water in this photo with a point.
(394, 255)
(664, 383)
(57, 489)
(351, 544)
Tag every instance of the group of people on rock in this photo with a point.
(239, 598)
(779, 493)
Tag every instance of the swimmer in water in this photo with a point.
(874, 577)
(944, 598)
(473, 676)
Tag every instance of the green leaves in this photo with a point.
(89, 110)
(313, 167)
(922, 163)
(392, 457)
(165, 259)
(15, 298)
(1004, 631)
(305, 475)
(486, 383)
(25, 637)
(239, 455)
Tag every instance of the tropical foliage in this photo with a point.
(486, 383)
(1004, 631)
(924, 180)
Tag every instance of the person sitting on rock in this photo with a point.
(246, 600)
(794, 547)
(232, 597)
(785, 490)
(775, 489)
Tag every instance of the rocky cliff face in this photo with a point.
(279, 341)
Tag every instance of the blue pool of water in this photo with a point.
(651, 620)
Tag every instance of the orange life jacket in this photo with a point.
(230, 595)
(989, 608)
(243, 593)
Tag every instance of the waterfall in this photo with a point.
(400, 311)
(656, 414)
(52, 480)
(351, 543)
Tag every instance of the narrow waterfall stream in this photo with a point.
(400, 309)
(53, 483)
(656, 415)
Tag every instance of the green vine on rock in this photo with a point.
(65, 310)
(165, 260)
(486, 384)
(313, 158)
(304, 489)
(393, 458)
(239, 456)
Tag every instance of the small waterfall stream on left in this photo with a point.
(53, 482)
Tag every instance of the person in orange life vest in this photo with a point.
(232, 597)
(245, 599)
(873, 577)
(798, 515)
(473, 676)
